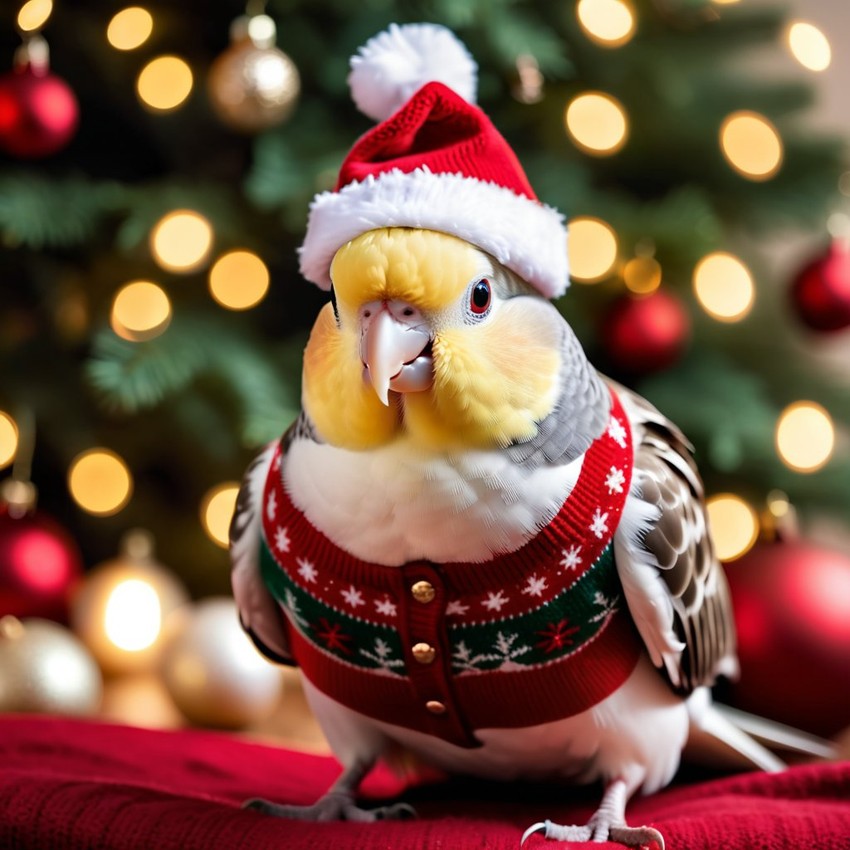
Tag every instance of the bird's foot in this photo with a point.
(598, 829)
(333, 806)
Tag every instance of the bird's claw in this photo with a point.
(642, 836)
(331, 807)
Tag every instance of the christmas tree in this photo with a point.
(189, 148)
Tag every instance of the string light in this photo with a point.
(724, 286)
(239, 280)
(217, 509)
(100, 482)
(592, 249)
(164, 83)
(140, 311)
(34, 14)
(734, 525)
(8, 439)
(607, 22)
(130, 28)
(133, 616)
(642, 275)
(181, 241)
(751, 145)
(805, 436)
(597, 123)
(808, 45)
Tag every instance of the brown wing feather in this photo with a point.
(679, 540)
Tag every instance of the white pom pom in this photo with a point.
(395, 64)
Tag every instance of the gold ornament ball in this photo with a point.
(45, 669)
(122, 609)
(214, 673)
(253, 87)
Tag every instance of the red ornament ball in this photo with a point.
(820, 293)
(645, 333)
(38, 113)
(792, 610)
(39, 565)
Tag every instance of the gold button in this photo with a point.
(424, 653)
(435, 706)
(423, 591)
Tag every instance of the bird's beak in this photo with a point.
(395, 348)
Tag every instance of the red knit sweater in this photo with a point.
(528, 637)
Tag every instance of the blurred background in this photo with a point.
(156, 167)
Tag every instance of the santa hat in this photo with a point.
(435, 162)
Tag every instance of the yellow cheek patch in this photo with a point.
(346, 412)
(492, 384)
(422, 267)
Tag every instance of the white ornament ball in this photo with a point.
(214, 673)
(45, 669)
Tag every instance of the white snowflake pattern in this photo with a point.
(386, 607)
(506, 651)
(457, 607)
(495, 601)
(615, 480)
(535, 586)
(382, 655)
(608, 606)
(353, 597)
(281, 539)
(571, 559)
(271, 506)
(307, 570)
(599, 525)
(617, 432)
(463, 659)
(293, 608)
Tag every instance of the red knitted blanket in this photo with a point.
(68, 784)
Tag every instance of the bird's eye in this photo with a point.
(479, 298)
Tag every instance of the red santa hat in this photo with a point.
(435, 161)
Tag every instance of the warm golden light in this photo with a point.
(133, 616)
(597, 123)
(239, 280)
(34, 14)
(130, 28)
(607, 22)
(8, 439)
(726, 2)
(164, 83)
(724, 286)
(751, 145)
(140, 311)
(100, 482)
(734, 525)
(642, 275)
(805, 436)
(809, 46)
(592, 249)
(181, 241)
(217, 510)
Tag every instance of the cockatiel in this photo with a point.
(471, 543)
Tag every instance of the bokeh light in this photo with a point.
(751, 145)
(642, 275)
(592, 249)
(217, 509)
(607, 22)
(239, 280)
(164, 83)
(140, 311)
(734, 525)
(34, 14)
(724, 286)
(130, 28)
(809, 46)
(805, 436)
(8, 439)
(597, 123)
(100, 482)
(133, 615)
(181, 241)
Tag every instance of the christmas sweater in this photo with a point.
(528, 637)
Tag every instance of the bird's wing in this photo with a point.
(259, 613)
(674, 585)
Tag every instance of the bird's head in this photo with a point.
(428, 336)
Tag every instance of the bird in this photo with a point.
(475, 546)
